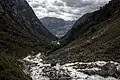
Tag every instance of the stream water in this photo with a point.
(36, 67)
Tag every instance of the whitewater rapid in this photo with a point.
(38, 70)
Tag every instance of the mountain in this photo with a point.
(90, 19)
(21, 33)
(57, 26)
(94, 37)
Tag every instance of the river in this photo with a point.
(39, 70)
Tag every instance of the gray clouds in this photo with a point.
(65, 9)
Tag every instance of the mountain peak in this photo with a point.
(57, 26)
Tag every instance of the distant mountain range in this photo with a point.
(57, 26)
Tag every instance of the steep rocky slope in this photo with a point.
(21, 33)
(57, 26)
(20, 26)
(94, 37)
(83, 26)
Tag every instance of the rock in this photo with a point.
(90, 72)
(118, 71)
(118, 68)
(53, 64)
(102, 73)
(109, 69)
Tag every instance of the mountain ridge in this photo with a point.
(96, 39)
(91, 19)
(57, 26)
(21, 33)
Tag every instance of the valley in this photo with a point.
(55, 49)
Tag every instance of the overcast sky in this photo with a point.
(65, 9)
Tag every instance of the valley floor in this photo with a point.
(99, 70)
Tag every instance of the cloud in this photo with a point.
(65, 9)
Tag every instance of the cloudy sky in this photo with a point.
(65, 9)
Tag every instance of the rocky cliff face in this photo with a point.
(21, 33)
(57, 26)
(94, 37)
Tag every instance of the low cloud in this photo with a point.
(65, 9)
